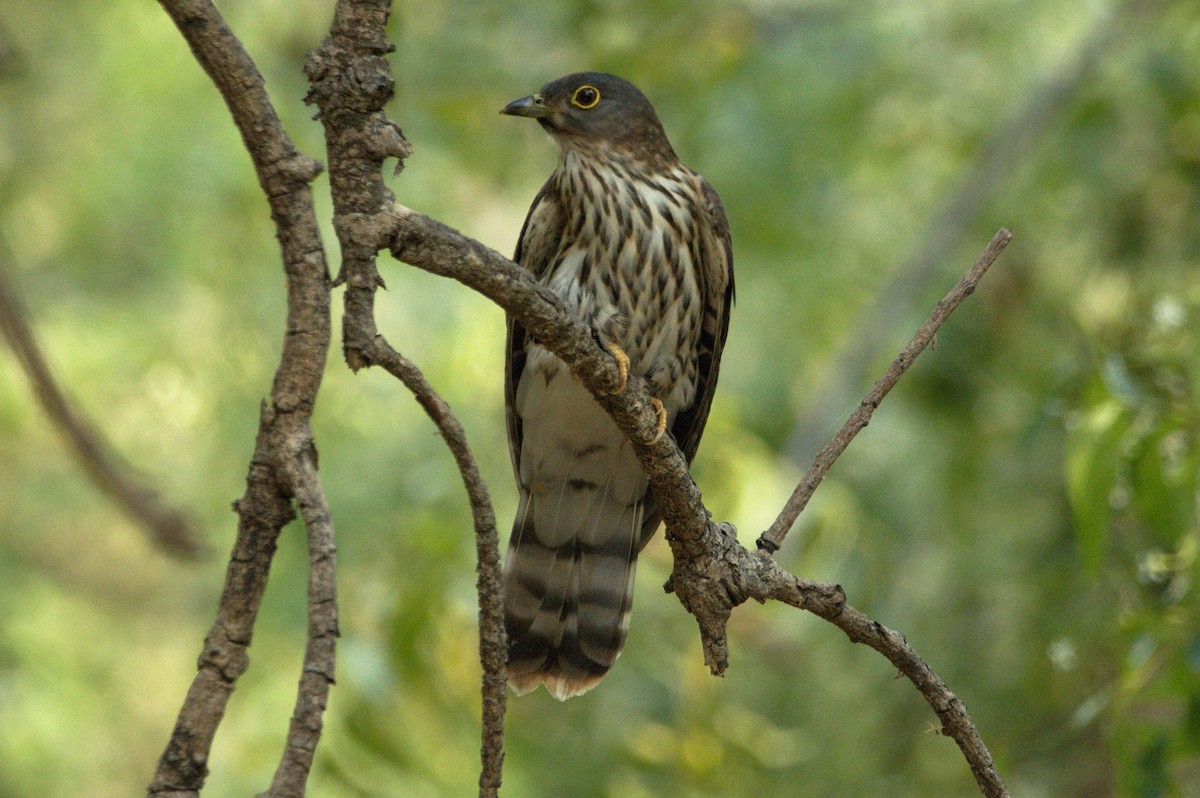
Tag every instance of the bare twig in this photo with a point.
(772, 539)
(165, 525)
(283, 464)
(493, 651)
(351, 81)
(1010, 139)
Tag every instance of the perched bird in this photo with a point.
(638, 245)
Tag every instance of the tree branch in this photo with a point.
(828, 602)
(166, 526)
(317, 674)
(283, 465)
(772, 539)
(351, 82)
(493, 647)
(713, 572)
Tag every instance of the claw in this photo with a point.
(662, 420)
(622, 365)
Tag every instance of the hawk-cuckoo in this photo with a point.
(638, 245)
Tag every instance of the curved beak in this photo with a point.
(532, 106)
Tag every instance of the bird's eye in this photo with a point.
(586, 97)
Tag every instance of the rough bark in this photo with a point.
(283, 466)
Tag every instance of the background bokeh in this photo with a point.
(1023, 508)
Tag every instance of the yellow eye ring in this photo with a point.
(585, 97)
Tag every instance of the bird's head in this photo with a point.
(587, 109)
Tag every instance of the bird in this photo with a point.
(638, 246)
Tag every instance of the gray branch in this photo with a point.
(1011, 138)
(772, 539)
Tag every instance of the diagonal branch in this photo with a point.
(713, 572)
(283, 465)
(1011, 138)
(772, 539)
(166, 526)
(828, 602)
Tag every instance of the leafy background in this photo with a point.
(1024, 507)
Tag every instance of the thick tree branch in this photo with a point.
(772, 539)
(283, 465)
(351, 82)
(166, 526)
(713, 572)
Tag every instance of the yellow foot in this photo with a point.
(662, 420)
(622, 365)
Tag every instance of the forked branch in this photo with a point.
(351, 82)
(713, 572)
(282, 468)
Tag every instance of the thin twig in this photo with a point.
(166, 526)
(493, 650)
(283, 464)
(1010, 139)
(772, 539)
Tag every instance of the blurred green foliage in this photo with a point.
(1023, 508)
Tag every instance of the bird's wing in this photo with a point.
(536, 247)
(713, 253)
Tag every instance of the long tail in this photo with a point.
(569, 586)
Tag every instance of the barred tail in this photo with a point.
(569, 587)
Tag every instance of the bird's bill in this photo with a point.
(531, 106)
